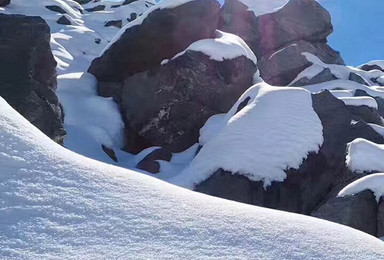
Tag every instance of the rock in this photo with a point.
(358, 211)
(64, 20)
(96, 8)
(55, 8)
(172, 29)
(324, 76)
(83, 2)
(366, 114)
(298, 20)
(180, 96)
(117, 23)
(150, 162)
(307, 187)
(379, 100)
(368, 67)
(283, 66)
(110, 152)
(380, 219)
(357, 78)
(28, 73)
(4, 2)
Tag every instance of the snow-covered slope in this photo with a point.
(56, 204)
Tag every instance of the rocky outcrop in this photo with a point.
(150, 162)
(4, 2)
(359, 211)
(28, 72)
(307, 187)
(180, 96)
(324, 76)
(161, 35)
(278, 39)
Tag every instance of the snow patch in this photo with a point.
(373, 182)
(260, 141)
(365, 156)
(360, 101)
(260, 7)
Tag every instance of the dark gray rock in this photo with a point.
(367, 67)
(96, 8)
(283, 66)
(4, 2)
(298, 20)
(28, 72)
(357, 78)
(168, 106)
(116, 23)
(110, 152)
(163, 34)
(56, 9)
(380, 219)
(307, 187)
(64, 20)
(366, 114)
(358, 211)
(150, 162)
(324, 76)
(379, 100)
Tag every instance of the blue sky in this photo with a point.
(359, 29)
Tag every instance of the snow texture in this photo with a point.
(274, 132)
(225, 46)
(56, 204)
(373, 182)
(260, 7)
(365, 156)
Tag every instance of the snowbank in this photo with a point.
(360, 101)
(274, 132)
(261, 7)
(225, 46)
(60, 205)
(365, 156)
(373, 182)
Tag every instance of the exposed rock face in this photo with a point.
(379, 100)
(150, 162)
(167, 106)
(5, 2)
(306, 187)
(324, 76)
(358, 211)
(279, 38)
(163, 34)
(28, 72)
(282, 67)
(357, 78)
(368, 67)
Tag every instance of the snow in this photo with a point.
(379, 129)
(379, 63)
(373, 182)
(260, 7)
(364, 156)
(60, 205)
(340, 71)
(90, 120)
(261, 141)
(225, 46)
(360, 101)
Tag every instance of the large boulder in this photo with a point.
(28, 72)
(307, 187)
(4, 2)
(168, 105)
(283, 66)
(156, 36)
(358, 211)
(298, 20)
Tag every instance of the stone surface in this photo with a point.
(28, 72)
(298, 20)
(324, 76)
(64, 20)
(358, 211)
(357, 78)
(168, 106)
(283, 66)
(150, 162)
(163, 34)
(4, 2)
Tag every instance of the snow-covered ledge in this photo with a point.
(373, 182)
(260, 141)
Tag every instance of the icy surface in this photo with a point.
(260, 141)
(260, 7)
(225, 46)
(59, 205)
(373, 182)
(365, 156)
